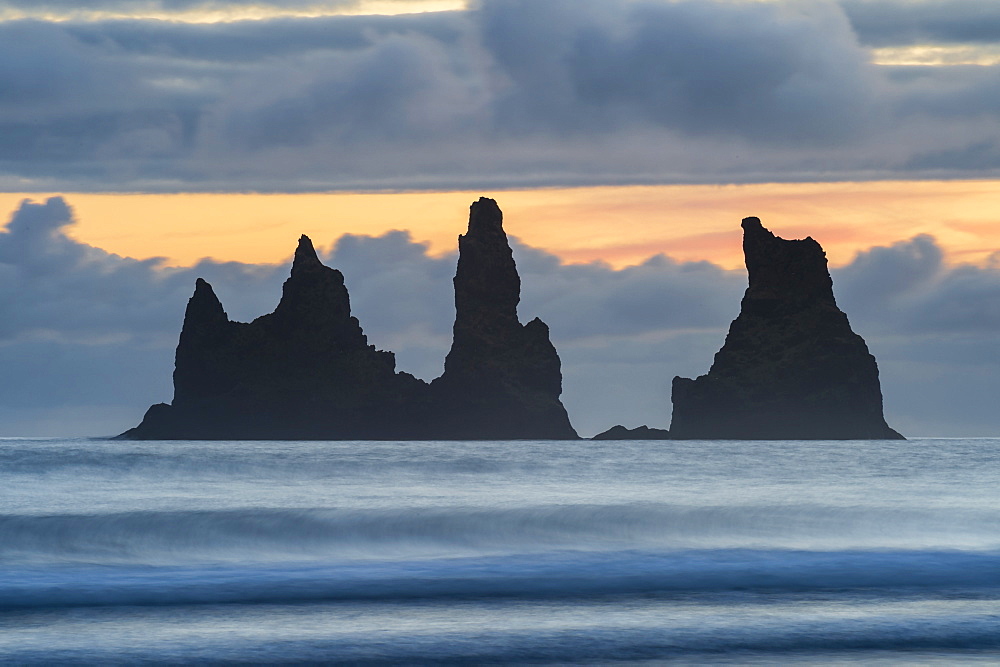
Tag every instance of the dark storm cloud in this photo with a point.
(947, 93)
(887, 277)
(978, 155)
(252, 41)
(660, 294)
(509, 93)
(909, 22)
(87, 338)
(935, 330)
(908, 289)
(701, 68)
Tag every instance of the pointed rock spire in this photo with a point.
(502, 379)
(204, 308)
(315, 298)
(487, 286)
(305, 258)
(206, 329)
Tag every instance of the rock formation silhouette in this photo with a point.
(643, 432)
(502, 379)
(307, 372)
(791, 367)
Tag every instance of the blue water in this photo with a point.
(499, 552)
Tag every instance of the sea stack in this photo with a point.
(502, 379)
(305, 371)
(791, 367)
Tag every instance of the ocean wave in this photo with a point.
(897, 639)
(530, 576)
(189, 537)
(101, 458)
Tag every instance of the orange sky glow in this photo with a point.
(618, 225)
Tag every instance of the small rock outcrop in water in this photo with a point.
(791, 367)
(307, 372)
(643, 432)
(502, 379)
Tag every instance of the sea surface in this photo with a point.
(725, 552)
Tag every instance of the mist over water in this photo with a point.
(429, 552)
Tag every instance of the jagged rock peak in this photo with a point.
(204, 306)
(315, 297)
(305, 256)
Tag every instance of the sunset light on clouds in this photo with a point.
(619, 225)
(624, 140)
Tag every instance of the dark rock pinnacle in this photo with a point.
(791, 367)
(502, 379)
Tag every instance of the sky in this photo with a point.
(144, 143)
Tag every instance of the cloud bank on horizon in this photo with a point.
(503, 93)
(87, 338)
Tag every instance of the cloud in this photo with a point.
(908, 289)
(249, 42)
(905, 22)
(507, 93)
(57, 289)
(87, 337)
(935, 330)
(745, 70)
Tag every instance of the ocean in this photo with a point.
(697, 552)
